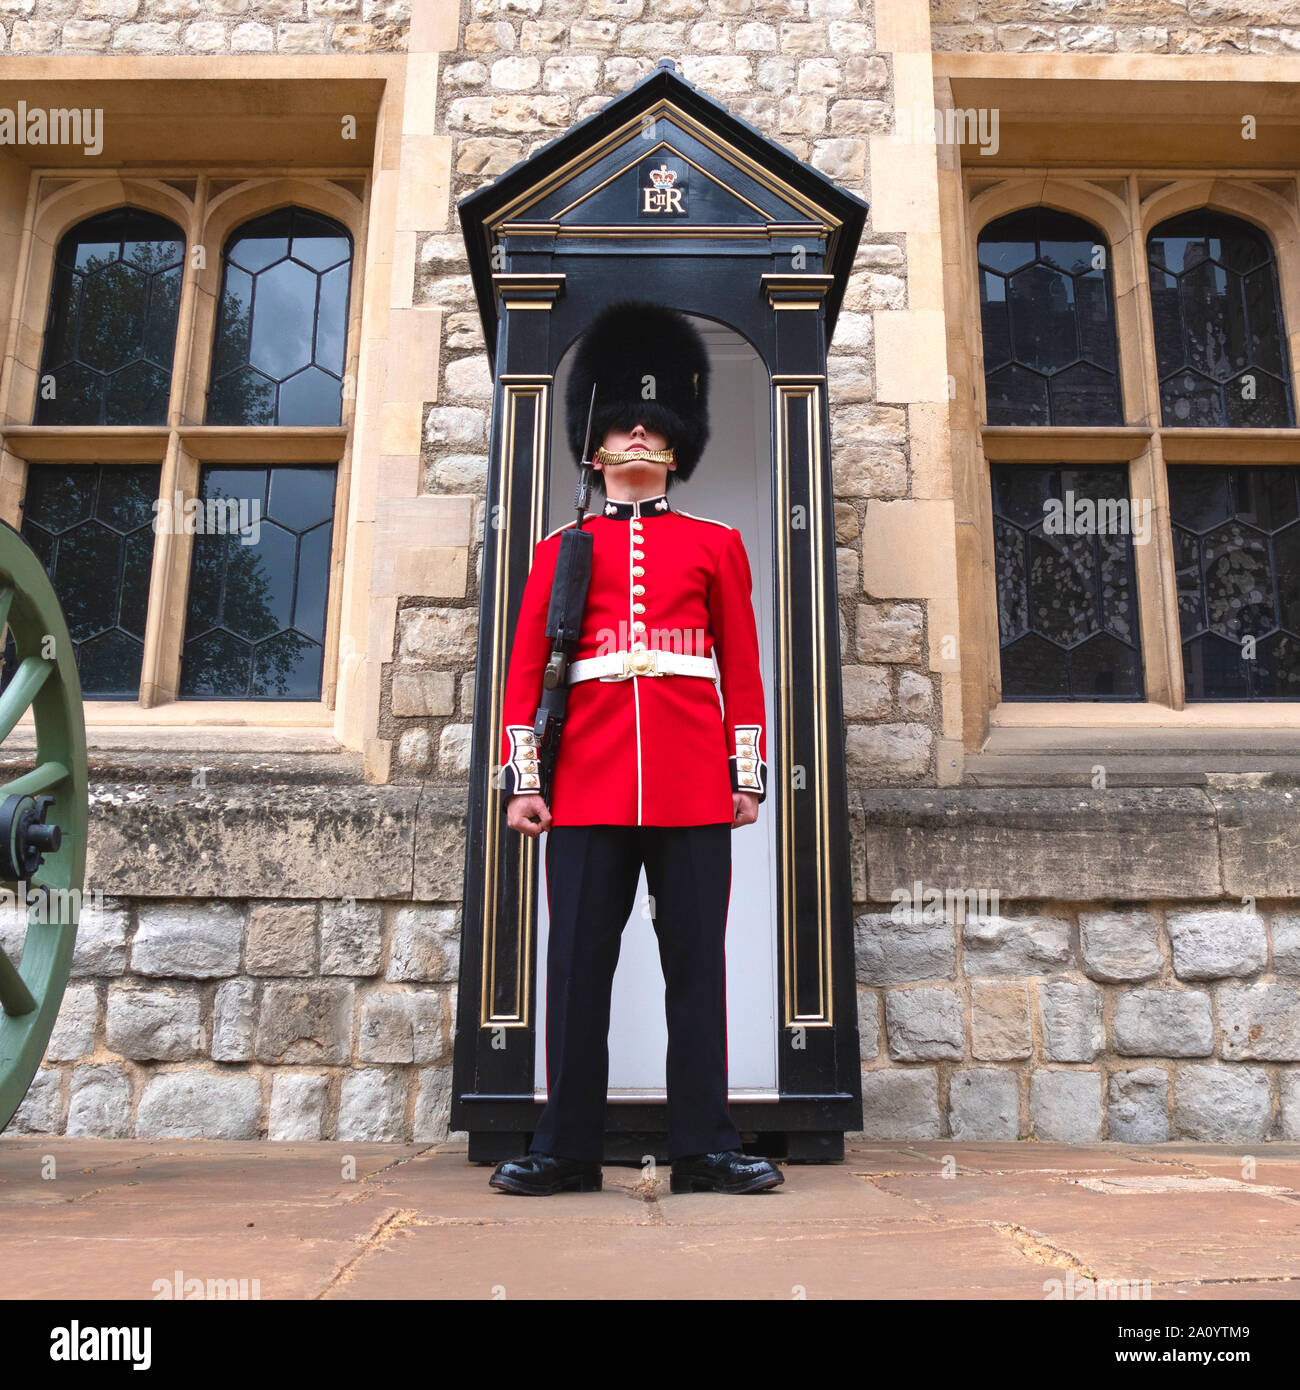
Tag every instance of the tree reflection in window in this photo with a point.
(111, 329)
(92, 527)
(282, 322)
(1237, 552)
(255, 626)
(1067, 592)
(1046, 308)
(1220, 341)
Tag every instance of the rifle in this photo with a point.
(564, 622)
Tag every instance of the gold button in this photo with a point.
(638, 608)
(528, 782)
(638, 588)
(638, 571)
(638, 646)
(747, 765)
(638, 627)
(638, 554)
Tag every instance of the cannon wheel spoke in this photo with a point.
(44, 682)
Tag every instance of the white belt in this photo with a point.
(618, 666)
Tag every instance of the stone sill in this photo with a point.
(151, 755)
(1133, 756)
(1121, 845)
(280, 839)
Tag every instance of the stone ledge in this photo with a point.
(319, 840)
(1125, 844)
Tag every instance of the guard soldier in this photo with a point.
(653, 768)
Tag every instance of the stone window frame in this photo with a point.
(208, 205)
(1124, 208)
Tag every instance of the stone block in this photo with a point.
(1217, 943)
(1120, 947)
(1221, 1105)
(924, 1024)
(1138, 1112)
(900, 1103)
(1163, 1023)
(1065, 1106)
(195, 941)
(983, 1104)
(309, 1023)
(200, 1105)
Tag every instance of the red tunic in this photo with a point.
(645, 750)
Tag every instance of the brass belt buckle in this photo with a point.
(641, 663)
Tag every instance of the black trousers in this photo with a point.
(591, 880)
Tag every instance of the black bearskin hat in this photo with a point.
(625, 344)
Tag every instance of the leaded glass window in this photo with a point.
(92, 527)
(1237, 553)
(1220, 339)
(255, 625)
(1047, 311)
(1066, 586)
(282, 322)
(111, 331)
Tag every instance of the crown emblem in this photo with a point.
(663, 176)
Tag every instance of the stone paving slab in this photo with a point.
(1162, 1236)
(419, 1221)
(815, 1260)
(38, 1268)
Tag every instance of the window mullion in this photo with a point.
(160, 670)
(1157, 574)
(168, 580)
(188, 311)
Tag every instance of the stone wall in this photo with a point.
(1116, 26)
(204, 26)
(1070, 1022)
(299, 1020)
(253, 1019)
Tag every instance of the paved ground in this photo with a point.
(109, 1218)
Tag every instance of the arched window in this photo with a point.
(1220, 340)
(282, 322)
(1047, 311)
(111, 330)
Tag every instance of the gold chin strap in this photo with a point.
(605, 456)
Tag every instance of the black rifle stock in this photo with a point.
(564, 624)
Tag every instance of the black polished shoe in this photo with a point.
(540, 1175)
(731, 1171)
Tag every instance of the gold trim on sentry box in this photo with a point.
(690, 126)
(785, 395)
(516, 389)
(647, 154)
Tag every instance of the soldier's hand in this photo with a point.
(528, 814)
(744, 807)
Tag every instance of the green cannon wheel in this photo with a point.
(43, 816)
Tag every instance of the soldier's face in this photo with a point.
(634, 473)
(638, 437)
